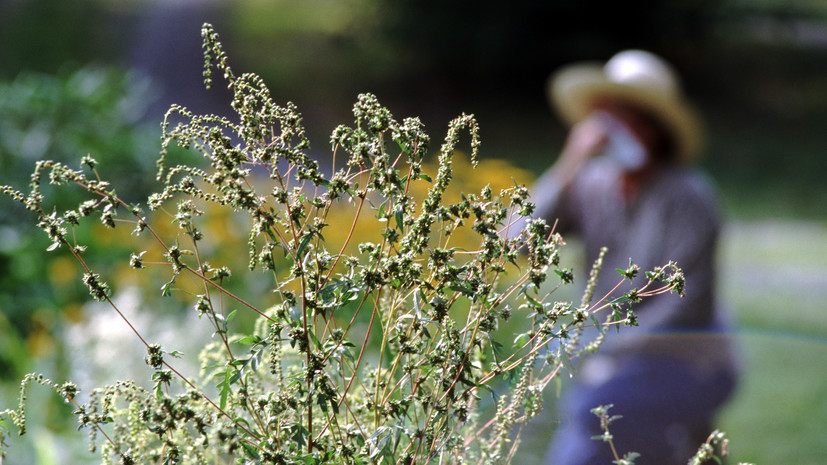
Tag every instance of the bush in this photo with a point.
(376, 348)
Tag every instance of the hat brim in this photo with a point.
(574, 90)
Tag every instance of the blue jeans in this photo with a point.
(667, 412)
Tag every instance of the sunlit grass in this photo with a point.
(774, 276)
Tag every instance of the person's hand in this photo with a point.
(586, 139)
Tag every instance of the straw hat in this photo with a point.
(637, 77)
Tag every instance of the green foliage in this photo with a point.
(62, 117)
(90, 110)
(370, 349)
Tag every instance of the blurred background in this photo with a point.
(96, 76)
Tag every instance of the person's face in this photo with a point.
(641, 126)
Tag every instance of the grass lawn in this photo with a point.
(775, 277)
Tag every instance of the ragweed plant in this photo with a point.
(375, 348)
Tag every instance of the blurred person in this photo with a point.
(624, 180)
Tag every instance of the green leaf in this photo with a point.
(299, 434)
(521, 339)
(496, 348)
(255, 359)
(400, 219)
(303, 244)
(251, 339)
(166, 289)
(315, 340)
(250, 451)
(378, 440)
(463, 289)
(223, 394)
(464, 380)
(309, 459)
(531, 300)
(237, 374)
